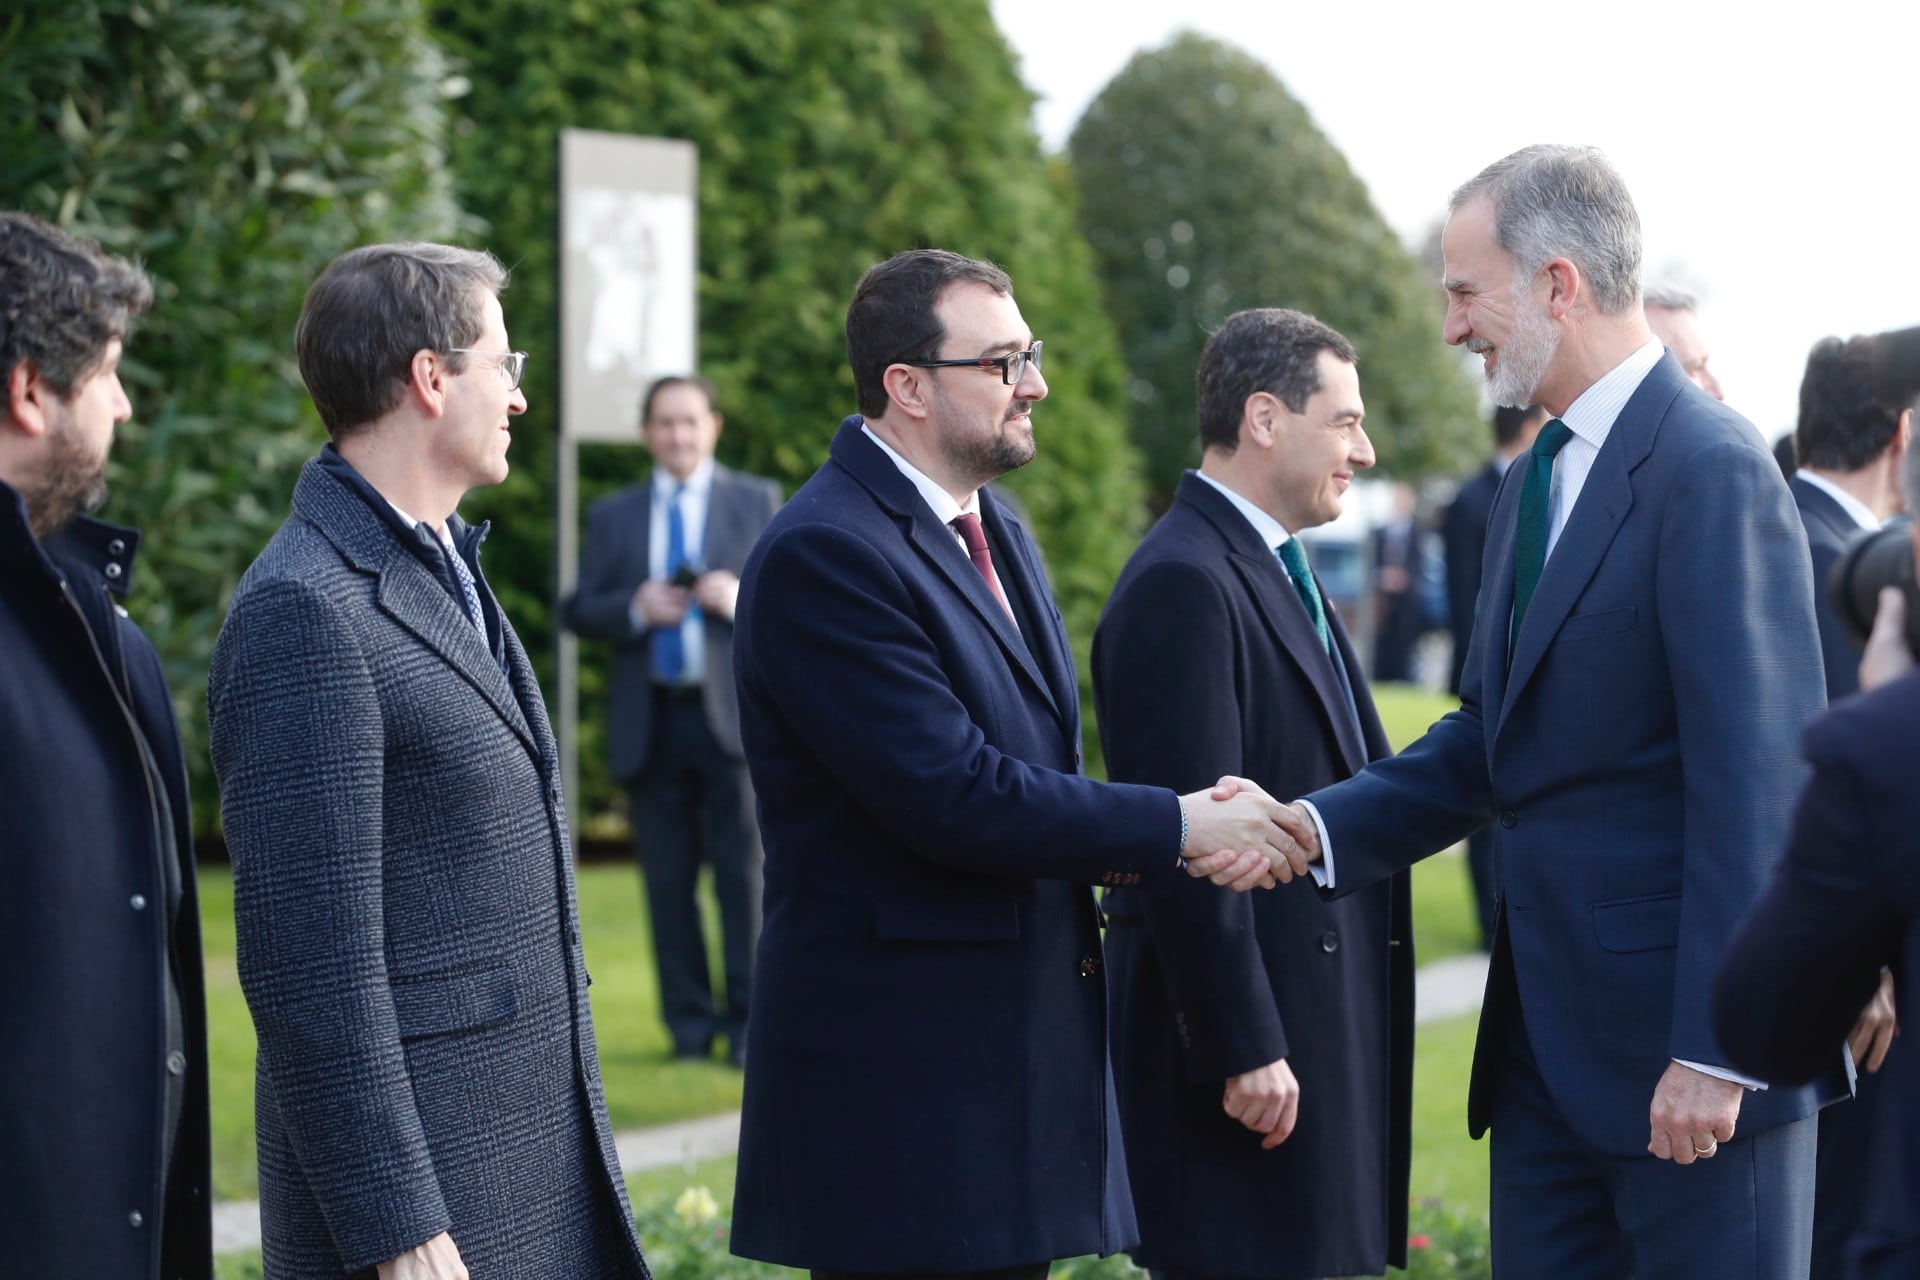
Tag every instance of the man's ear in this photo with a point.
(427, 376)
(1260, 419)
(27, 397)
(907, 389)
(1563, 286)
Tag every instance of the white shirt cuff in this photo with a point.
(1721, 1073)
(1321, 871)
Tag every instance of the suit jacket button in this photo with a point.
(1508, 818)
(176, 1063)
(1088, 966)
(1329, 942)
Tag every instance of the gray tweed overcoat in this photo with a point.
(408, 939)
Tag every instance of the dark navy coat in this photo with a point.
(103, 1033)
(928, 1087)
(1844, 904)
(1206, 663)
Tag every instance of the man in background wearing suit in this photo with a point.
(1262, 1043)
(1463, 531)
(1850, 449)
(1672, 315)
(1644, 658)
(1843, 908)
(429, 1094)
(929, 1091)
(660, 578)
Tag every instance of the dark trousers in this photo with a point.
(692, 803)
(1840, 1186)
(1031, 1271)
(1563, 1209)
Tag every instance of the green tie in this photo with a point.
(1295, 559)
(1530, 534)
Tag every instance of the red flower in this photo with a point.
(1418, 1242)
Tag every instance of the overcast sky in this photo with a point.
(1770, 151)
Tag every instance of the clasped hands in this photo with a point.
(1241, 838)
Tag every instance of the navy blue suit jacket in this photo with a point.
(1844, 903)
(928, 1087)
(616, 561)
(1206, 663)
(1638, 756)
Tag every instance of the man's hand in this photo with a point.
(1235, 820)
(661, 603)
(437, 1259)
(1886, 657)
(1692, 1114)
(717, 591)
(1876, 1027)
(1266, 1100)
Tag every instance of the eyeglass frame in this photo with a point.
(512, 363)
(1003, 363)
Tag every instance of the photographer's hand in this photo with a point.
(1886, 656)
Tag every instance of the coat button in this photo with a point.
(1088, 966)
(1329, 942)
(112, 570)
(138, 902)
(117, 547)
(176, 1063)
(1508, 818)
(136, 1219)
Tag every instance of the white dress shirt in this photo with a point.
(1862, 514)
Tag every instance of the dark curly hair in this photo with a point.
(62, 301)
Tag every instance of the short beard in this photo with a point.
(1524, 357)
(70, 482)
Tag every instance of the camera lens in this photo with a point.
(1874, 560)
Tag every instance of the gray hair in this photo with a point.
(1669, 297)
(372, 309)
(1563, 202)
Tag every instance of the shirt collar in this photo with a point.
(1862, 514)
(700, 482)
(1271, 531)
(945, 509)
(1592, 415)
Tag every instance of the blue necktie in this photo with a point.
(1294, 557)
(1530, 533)
(669, 657)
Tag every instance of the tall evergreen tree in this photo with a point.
(1206, 188)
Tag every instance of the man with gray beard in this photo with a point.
(1642, 662)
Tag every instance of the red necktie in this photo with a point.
(967, 525)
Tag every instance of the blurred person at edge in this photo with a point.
(1843, 910)
(1673, 315)
(1850, 449)
(104, 1163)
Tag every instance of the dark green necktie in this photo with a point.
(1294, 557)
(1530, 534)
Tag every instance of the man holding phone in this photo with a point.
(659, 577)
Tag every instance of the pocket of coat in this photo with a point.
(432, 1004)
(948, 920)
(1638, 924)
(1591, 626)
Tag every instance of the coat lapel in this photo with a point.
(1024, 578)
(1284, 612)
(935, 543)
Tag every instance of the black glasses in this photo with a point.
(1012, 366)
(511, 364)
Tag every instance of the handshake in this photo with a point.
(1241, 838)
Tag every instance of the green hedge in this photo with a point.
(236, 148)
(831, 135)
